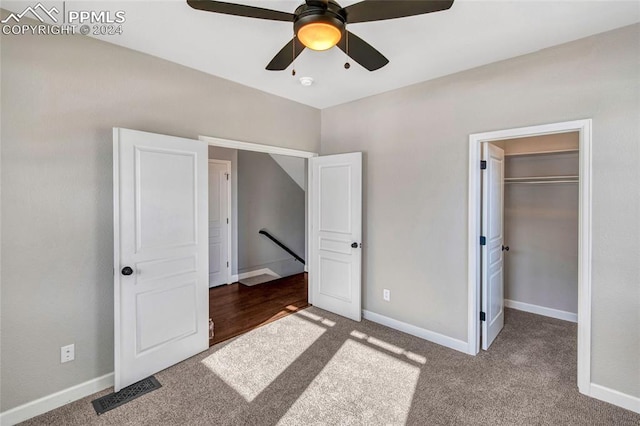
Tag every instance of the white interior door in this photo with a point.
(219, 172)
(160, 252)
(336, 234)
(492, 256)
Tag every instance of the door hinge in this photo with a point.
(483, 241)
(483, 316)
(227, 264)
(227, 175)
(483, 165)
(227, 221)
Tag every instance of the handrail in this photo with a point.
(282, 246)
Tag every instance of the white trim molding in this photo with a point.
(541, 310)
(615, 397)
(55, 400)
(584, 129)
(422, 333)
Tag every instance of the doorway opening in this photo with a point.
(257, 238)
(333, 227)
(529, 222)
(478, 246)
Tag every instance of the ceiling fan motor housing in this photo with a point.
(331, 13)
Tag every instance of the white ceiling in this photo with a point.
(420, 48)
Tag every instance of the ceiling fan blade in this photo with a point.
(362, 52)
(379, 10)
(285, 56)
(240, 10)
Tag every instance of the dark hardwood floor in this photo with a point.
(236, 308)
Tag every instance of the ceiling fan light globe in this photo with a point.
(319, 35)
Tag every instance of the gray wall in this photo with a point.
(541, 228)
(218, 153)
(61, 96)
(415, 141)
(268, 198)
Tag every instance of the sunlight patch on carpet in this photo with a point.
(389, 347)
(359, 385)
(318, 318)
(252, 361)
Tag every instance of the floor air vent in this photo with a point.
(113, 400)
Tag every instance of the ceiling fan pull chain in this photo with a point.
(293, 61)
(347, 65)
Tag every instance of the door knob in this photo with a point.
(354, 245)
(505, 248)
(127, 270)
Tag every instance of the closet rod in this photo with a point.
(516, 179)
(538, 182)
(549, 178)
(542, 179)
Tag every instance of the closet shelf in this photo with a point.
(542, 179)
(557, 151)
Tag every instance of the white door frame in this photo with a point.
(229, 225)
(270, 149)
(584, 129)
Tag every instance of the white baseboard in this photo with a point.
(256, 273)
(212, 285)
(541, 310)
(423, 333)
(615, 397)
(55, 400)
(232, 279)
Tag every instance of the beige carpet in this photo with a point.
(315, 368)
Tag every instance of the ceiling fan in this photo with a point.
(322, 24)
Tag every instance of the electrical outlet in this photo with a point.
(67, 353)
(386, 295)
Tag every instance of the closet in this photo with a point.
(541, 225)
